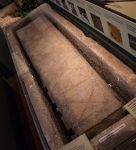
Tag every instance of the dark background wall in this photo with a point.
(4, 3)
(6, 63)
(11, 131)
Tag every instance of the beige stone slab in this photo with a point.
(81, 95)
(112, 70)
(47, 121)
(128, 124)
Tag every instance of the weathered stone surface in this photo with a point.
(118, 137)
(111, 69)
(48, 123)
(82, 96)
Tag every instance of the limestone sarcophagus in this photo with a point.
(81, 95)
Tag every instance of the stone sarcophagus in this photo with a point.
(81, 95)
(70, 67)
